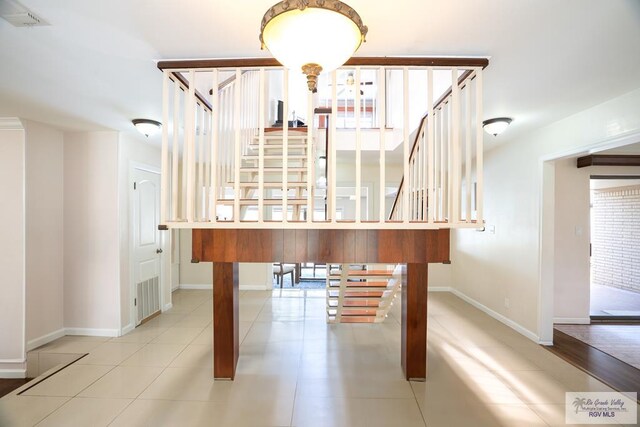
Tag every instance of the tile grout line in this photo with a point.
(157, 376)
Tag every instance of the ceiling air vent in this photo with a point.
(18, 15)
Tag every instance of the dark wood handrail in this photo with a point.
(439, 102)
(180, 78)
(201, 98)
(391, 61)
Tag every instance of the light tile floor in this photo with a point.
(294, 369)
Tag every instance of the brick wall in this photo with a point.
(616, 238)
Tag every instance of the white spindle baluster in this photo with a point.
(237, 142)
(175, 154)
(190, 128)
(331, 188)
(261, 120)
(455, 147)
(467, 151)
(431, 171)
(200, 165)
(406, 147)
(164, 172)
(229, 146)
(383, 135)
(441, 168)
(447, 162)
(215, 124)
(357, 110)
(479, 148)
(285, 146)
(310, 156)
(207, 165)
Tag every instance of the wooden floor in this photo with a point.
(619, 341)
(611, 371)
(7, 385)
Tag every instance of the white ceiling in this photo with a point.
(93, 68)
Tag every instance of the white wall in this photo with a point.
(491, 267)
(44, 233)
(91, 246)
(192, 273)
(12, 255)
(571, 254)
(139, 151)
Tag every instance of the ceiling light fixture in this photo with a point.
(147, 127)
(313, 36)
(496, 126)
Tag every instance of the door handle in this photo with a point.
(158, 251)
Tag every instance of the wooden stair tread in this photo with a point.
(278, 146)
(358, 294)
(270, 136)
(272, 169)
(368, 283)
(271, 184)
(267, 202)
(335, 275)
(355, 303)
(274, 157)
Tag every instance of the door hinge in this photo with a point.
(134, 185)
(135, 301)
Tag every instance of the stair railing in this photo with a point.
(206, 142)
(441, 159)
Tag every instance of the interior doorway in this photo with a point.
(615, 247)
(146, 245)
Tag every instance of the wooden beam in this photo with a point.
(609, 160)
(388, 61)
(321, 245)
(414, 322)
(226, 337)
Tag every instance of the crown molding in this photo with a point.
(10, 123)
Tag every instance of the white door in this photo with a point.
(146, 243)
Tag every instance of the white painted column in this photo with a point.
(12, 250)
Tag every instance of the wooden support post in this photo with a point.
(414, 322)
(226, 340)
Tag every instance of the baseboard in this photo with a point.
(93, 332)
(253, 288)
(199, 286)
(499, 317)
(130, 327)
(13, 373)
(440, 289)
(572, 320)
(45, 339)
(210, 287)
(167, 307)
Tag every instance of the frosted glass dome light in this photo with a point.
(496, 126)
(312, 36)
(147, 127)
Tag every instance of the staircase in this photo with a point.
(298, 150)
(361, 293)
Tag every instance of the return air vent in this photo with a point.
(19, 16)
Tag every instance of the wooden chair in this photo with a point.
(280, 270)
(324, 266)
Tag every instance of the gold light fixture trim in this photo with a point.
(333, 44)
